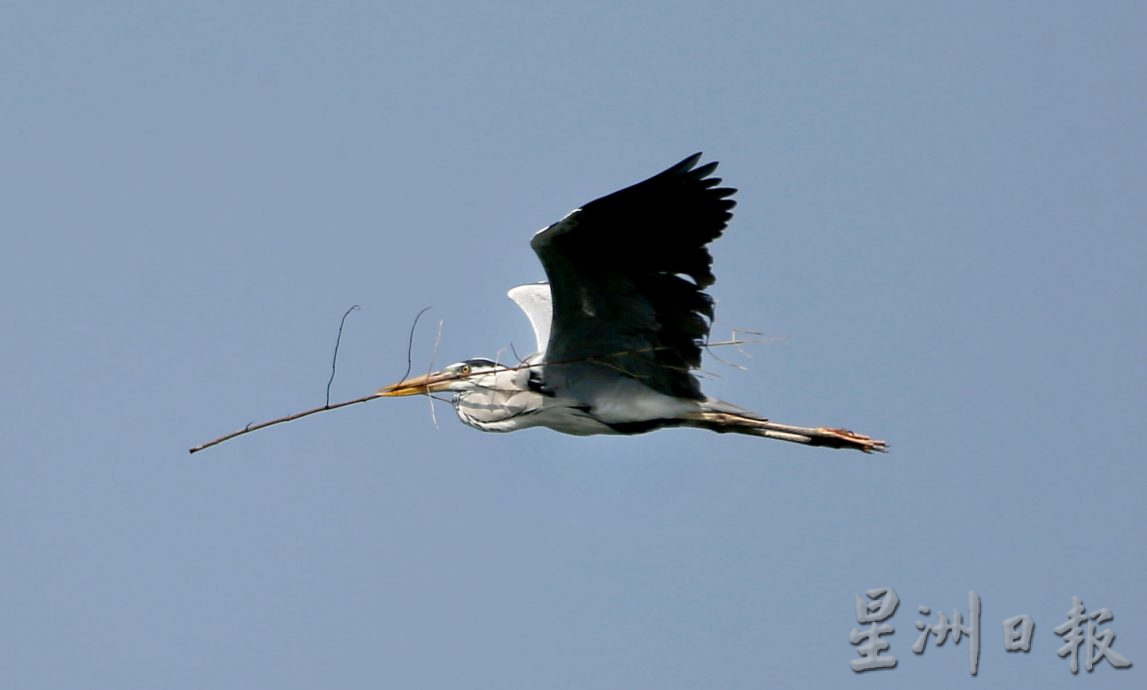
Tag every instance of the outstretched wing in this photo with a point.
(534, 299)
(627, 274)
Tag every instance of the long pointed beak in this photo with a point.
(419, 385)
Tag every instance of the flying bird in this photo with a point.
(620, 324)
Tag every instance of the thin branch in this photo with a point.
(279, 420)
(335, 356)
(430, 368)
(410, 343)
(437, 342)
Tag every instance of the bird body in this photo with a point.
(620, 324)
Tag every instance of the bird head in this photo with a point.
(459, 377)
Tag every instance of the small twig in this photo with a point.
(728, 363)
(410, 343)
(493, 389)
(430, 368)
(279, 420)
(759, 340)
(437, 342)
(251, 426)
(335, 356)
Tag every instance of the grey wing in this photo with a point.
(627, 274)
(534, 299)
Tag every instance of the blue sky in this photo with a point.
(940, 231)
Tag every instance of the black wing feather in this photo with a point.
(627, 274)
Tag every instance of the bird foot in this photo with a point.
(844, 438)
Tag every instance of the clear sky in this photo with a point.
(940, 231)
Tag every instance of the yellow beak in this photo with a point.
(419, 385)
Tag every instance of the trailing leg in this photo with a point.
(743, 423)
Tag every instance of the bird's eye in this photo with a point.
(464, 369)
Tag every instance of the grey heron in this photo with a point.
(620, 324)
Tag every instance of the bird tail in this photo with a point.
(724, 418)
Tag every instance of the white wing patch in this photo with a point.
(534, 299)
